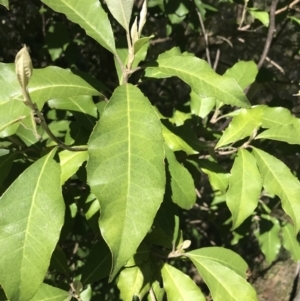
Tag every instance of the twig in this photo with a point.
(275, 65)
(243, 14)
(205, 37)
(217, 59)
(45, 127)
(286, 7)
(270, 34)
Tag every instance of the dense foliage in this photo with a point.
(148, 149)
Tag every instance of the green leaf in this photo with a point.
(176, 143)
(297, 20)
(59, 261)
(126, 152)
(83, 104)
(290, 242)
(4, 3)
(49, 293)
(202, 79)
(46, 83)
(243, 72)
(70, 163)
(141, 42)
(121, 11)
(273, 117)
(157, 291)
(201, 106)
(262, 16)
(278, 180)
(224, 272)
(31, 217)
(90, 16)
(135, 281)
(268, 237)
(6, 162)
(241, 126)
(218, 178)
(182, 184)
(179, 117)
(98, 264)
(165, 231)
(287, 133)
(179, 286)
(242, 195)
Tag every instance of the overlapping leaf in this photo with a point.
(201, 78)
(287, 133)
(273, 117)
(242, 195)
(90, 16)
(126, 171)
(179, 286)
(98, 264)
(182, 184)
(278, 180)
(135, 281)
(224, 272)
(31, 216)
(290, 242)
(49, 293)
(121, 10)
(242, 125)
(70, 163)
(243, 72)
(4, 3)
(83, 104)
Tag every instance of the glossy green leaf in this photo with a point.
(121, 11)
(179, 286)
(242, 195)
(268, 237)
(4, 3)
(12, 112)
(273, 117)
(182, 184)
(287, 133)
(135, 281)
(90, 16)
(49, 293)
(46, 83)
(83, 104)
(201, 106)
(241, 126)
(126, 152)
(202, 79)
(70, 163)
(290, 242)
(243, 72)
(224, 272)
(278, 180)
(98, 264)
(31, 217)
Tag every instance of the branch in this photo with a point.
(270, 34)
(286, 7)
(205, 37)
